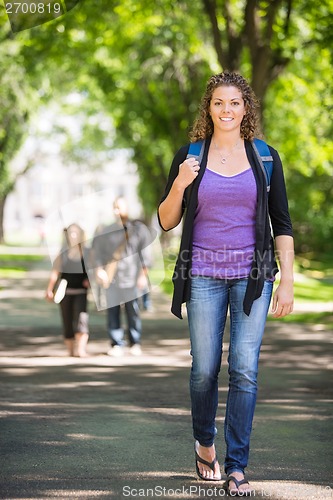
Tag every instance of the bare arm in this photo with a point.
(170, 210)
(50, 286)
(283, 299)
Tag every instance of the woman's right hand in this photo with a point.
(188, 171)
(170, 210)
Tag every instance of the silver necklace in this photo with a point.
(224, 158)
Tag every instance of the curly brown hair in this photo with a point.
(203, 125)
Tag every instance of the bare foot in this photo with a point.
(208, 454)
(82, 354)
(243, 490)
(70, 346)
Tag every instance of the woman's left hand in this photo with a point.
(283, 300)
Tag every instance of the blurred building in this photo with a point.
(56, 191)
(52, 195)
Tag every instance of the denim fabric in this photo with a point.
(207, 312)
(115, 331)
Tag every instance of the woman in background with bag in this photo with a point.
(68, 285)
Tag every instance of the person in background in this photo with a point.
(122, 258)
(146, 301)
(227, 260)
(69, 267)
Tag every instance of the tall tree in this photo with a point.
(261, 29)
(156, 92)
(15, 102)
(147, 63)
(298, 120)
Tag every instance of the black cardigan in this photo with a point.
(272, 207)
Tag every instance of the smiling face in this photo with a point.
(227, 108)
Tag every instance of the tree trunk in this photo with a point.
(267, 62)
(2, 211)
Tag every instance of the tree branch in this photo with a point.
(251, 27)
(287, 22)
(273, 6)
(234, 40)
(5, 34)
(210, 8)
(228, 18)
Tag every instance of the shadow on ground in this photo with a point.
(120, 428)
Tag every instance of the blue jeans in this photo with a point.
(132, 311)
(207, 312)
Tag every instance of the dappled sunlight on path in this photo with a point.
(105, 427)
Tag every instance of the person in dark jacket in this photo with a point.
(227, 261)
(69, 266)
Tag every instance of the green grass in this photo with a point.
(310, 318)
(310, 266)
(17, 272)
(7, 257)
(15, 265)
(313, 290)
(169, 264)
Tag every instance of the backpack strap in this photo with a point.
(196, 150)
(265, 159)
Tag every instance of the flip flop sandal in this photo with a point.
(238, 483)
(211, 465)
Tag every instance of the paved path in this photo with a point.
(120, 428)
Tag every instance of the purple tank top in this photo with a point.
(224, 225)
